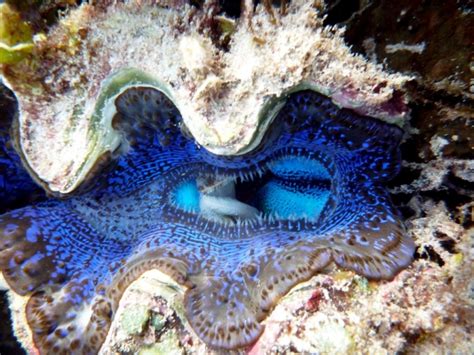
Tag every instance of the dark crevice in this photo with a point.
(8, 108)
(196, 3)
(450, 197)
(410, 152)
(231, 9)
(428, 253)
(401, 201)
(454, 201)
(407, 212)
(446, 242)
(339, 11)
(8, 342)
(462, 186)
(466, 5)
(423, 93)
(406, 176)
(465, 217)
(275, 3)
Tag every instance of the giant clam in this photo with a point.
(234, 171)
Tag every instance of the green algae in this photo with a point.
(133, 321)
(362, 284)
(158, 322)
(16, 36)
(168, 345)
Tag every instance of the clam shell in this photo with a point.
(227, 98)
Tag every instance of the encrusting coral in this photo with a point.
(282, 182)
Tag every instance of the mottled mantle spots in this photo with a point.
(238, 231)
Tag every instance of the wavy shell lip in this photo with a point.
(83, 252)
(227, 99)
